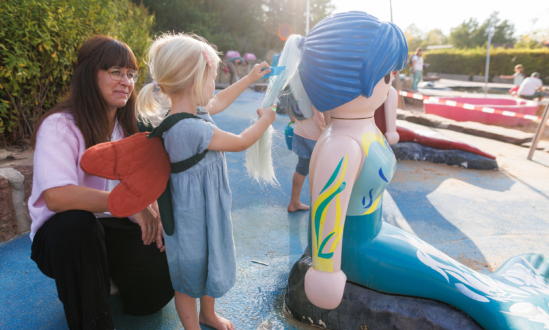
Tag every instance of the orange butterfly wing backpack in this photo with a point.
(143, 167)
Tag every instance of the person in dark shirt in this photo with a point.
(233, 64)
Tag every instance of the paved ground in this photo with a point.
(480, 218)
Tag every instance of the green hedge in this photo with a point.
(38, 47)
(502, 61)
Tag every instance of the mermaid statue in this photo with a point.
(346, 65)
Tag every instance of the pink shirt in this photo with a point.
(59, 148)
(311, 128)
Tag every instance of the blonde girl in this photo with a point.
(201, 254)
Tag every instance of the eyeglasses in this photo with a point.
(117, 74)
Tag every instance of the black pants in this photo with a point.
(81, 252)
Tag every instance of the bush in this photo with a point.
(38, 46)
(502, 61)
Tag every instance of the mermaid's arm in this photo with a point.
(336, 168)
(390, 117)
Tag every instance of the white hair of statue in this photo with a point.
(259, 161)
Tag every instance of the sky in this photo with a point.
(446, 14)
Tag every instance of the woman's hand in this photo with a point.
(267, 113)
(256, 73)
(148, 220)
(160, 235)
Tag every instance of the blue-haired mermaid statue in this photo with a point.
(345, 65)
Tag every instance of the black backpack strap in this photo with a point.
(169, 122)
(165, 126)
(188, 163)
(165, 200)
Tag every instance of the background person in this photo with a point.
(233, 64)
(74, 241)
(518, 78)
(532, 88)
(306, 133)
(417, 68)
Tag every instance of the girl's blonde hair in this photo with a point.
(176, 63)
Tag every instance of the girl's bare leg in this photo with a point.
(209, 317)
(295, 203)
(186, 309)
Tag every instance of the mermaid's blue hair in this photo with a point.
(346, 55)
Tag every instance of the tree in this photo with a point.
(471, 34)
(535, 39)
(38, 47)
(434, 37)
(244, 25)
(414, 37)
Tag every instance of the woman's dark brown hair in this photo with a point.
(85, 102)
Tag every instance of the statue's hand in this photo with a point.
(392, 137)
(323, 289)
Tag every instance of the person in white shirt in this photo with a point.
(532, 88)
(417, 68)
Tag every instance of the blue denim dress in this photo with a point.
(201, 252)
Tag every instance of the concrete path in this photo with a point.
(481, 218)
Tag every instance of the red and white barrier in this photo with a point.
(468, 106)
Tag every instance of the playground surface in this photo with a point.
(480, 218)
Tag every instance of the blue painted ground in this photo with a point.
(480, 218)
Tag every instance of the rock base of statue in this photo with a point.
(364, 309)
(416, 151)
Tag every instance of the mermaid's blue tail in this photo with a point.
(394, 261)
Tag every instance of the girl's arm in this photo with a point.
(506, 77)
(225, 141)
(227, 96)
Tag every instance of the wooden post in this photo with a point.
(539, 132)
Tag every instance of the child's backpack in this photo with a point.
(143, 167)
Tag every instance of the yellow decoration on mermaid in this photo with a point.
(374, 206)
(367, 139)
(323, 261)
(370, 137)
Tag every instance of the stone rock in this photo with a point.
(16, 180)
(491, 132)
(542, 145)
(8, 220)
(401, 114)
(27, 171)
(416, 151)
(428, 120)
(362, 308)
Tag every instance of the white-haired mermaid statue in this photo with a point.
(345, 65)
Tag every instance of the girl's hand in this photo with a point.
(267, 113)
(256, 73)
(148, 220)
